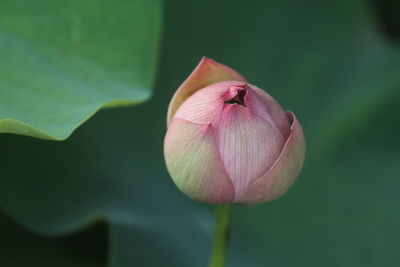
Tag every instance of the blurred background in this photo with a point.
(103, 197)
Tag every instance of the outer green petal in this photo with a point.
(194, 163)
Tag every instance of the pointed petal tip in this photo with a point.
(205, 60)
(207, 72)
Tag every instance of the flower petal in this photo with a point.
(206, 73)
(194, 163)
(278, 115)
(248, 141)
(285, 170)
(205, 105)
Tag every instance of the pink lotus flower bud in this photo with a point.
(229, 141)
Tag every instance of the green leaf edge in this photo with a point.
(13, 126)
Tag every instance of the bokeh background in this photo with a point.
(103, 197)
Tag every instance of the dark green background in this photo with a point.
(330, 62)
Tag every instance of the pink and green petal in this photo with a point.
(194, 163)
(284, 171)
(206, 73)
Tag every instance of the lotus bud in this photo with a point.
(229, 141)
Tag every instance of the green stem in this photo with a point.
(221, 236)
